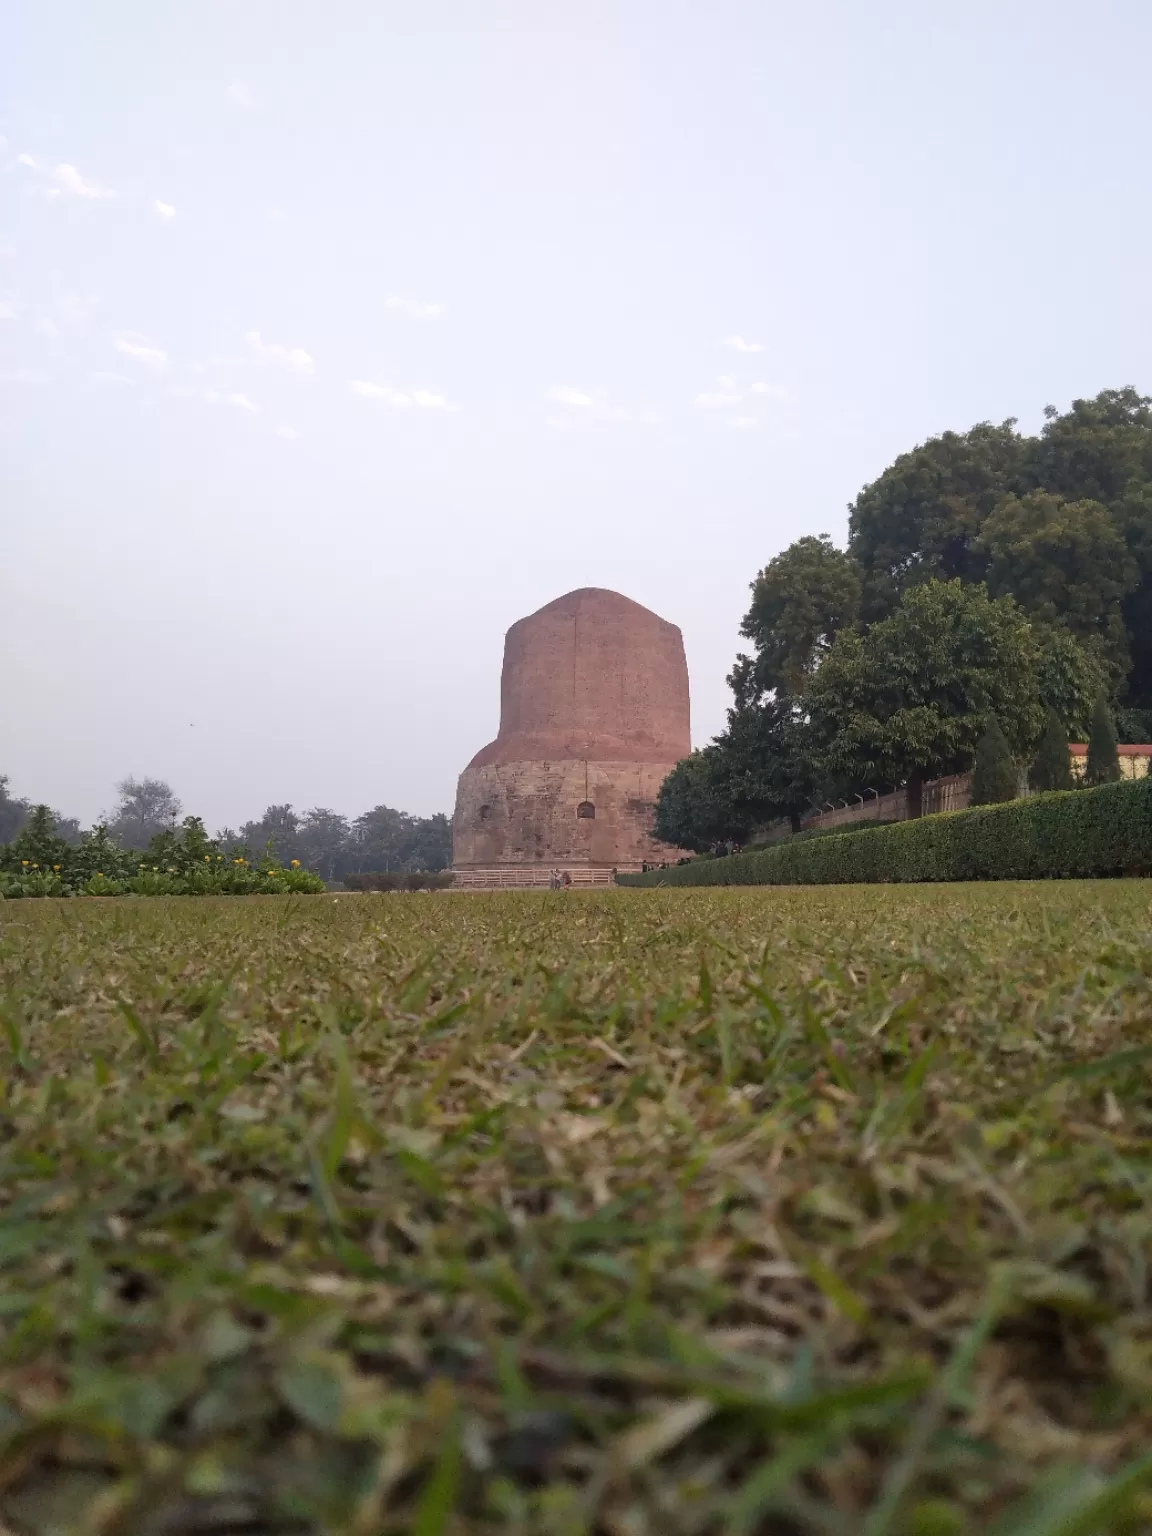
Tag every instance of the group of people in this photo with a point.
(559, 880)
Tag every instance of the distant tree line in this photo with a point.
(990, 579)
(381, 840)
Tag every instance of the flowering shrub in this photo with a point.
(181, 862)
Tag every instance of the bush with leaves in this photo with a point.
(180, 862)
(1087, 834)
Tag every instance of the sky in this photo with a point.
(335, 337)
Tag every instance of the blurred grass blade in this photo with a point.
(883, 1519)
(343, 1109)
(763, 1488)
(438, 1496)
(1072, 1503)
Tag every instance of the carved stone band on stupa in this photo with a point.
(594, 714)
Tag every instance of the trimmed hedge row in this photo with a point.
(1080, 833)
(399, 880)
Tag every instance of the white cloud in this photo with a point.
(371, 391)
(29, 160)
(563, 395)
(411, 307)
(104, 377)
(740, 344)
(47, 326)
(70, 180)
(400, 399)
(165, 210)
(24, 376)
(241, 402)
(717, 399)
(288, 357)
(140, 350)
(745, 421)
(7, 311)
(287, 432)
(780, 393)
(241, 94)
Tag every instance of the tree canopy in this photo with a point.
(881, 663)
(909, 698)
(800, 602)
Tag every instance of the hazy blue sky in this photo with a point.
(338, 336)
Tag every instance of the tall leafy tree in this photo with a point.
(325, 842)
(1052, 768)
(1103, 764)
(144, 808)
(1067, 563)
(994, 775)
(759, 770)
(907, 700)
(431, 847)
(279, 826)
(1098, 450)
(13, 812)
(921, 519)
(693, 809)
(800, 602)
(1135, 516)
(1070, 676)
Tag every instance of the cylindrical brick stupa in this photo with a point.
(593, 716)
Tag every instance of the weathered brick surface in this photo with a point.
(593, 708)
(525, 813)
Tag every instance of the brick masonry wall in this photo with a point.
(592, 676)
(525, 813)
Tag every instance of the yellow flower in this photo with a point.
(207, 858)
(99, 874)
(35, 866)
(295, 863)
(56, 867)
(24, 862)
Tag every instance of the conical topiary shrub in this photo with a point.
(1052, 768)
(1103, 766)
(994, 777)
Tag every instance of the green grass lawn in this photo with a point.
(779, 1211)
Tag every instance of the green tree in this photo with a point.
(279, 826)
(800, 601)
(907, 700)
(1103, 765)
(13, 812)
(922, 518)
(1099, 449)
(325, 842)
(1135, 516)
(1067, 563)
(431, 846)
(1052, 768)
(1070, 676)
(38, 841)
(994, 775)
(691, 809)
(145, 807)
